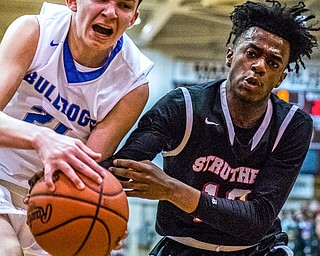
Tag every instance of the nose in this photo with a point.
(110, 10)
(259, 66)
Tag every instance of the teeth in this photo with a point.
(102, 30)
(251, 81)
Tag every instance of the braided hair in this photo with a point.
(289, 23)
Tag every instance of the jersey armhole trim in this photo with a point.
(189, 122)
(284, 125)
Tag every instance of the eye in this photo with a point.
(126, 5)
(273, 64)
(251, 53)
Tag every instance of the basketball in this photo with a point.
(86, 222)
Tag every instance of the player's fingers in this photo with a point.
(131, 184)
(135, 165)
(120, 242)
(139, 194)
(88, 166)
(71, 174)
(127, 173)
(48, 177)
(87, 170)
(94, 155)
(98, 171)
(125, 235)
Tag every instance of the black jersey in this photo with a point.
(244, 184)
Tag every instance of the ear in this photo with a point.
(283, 76)
(133, 20)
(229, 57)
(72, 4)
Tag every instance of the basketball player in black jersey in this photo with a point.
(232, 149)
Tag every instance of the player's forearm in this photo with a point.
(249, 219)
(183, 196)
(18, 134)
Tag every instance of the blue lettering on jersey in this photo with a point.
(72, 111)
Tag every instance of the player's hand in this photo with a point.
(121, 242)
(32, 182)
(145, 179)
(69, 155)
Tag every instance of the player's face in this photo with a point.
(100, 23)
(257, 65)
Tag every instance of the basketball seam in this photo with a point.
(67, 222)
(93, 223)
(80, 200)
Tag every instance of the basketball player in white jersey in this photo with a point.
(72, 85)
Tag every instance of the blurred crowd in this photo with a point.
(303, 228)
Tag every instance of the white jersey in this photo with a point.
(65, 96)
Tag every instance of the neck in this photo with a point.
(245, 114)
(87, 58)
(85, 55)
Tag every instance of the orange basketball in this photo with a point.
(86, 222)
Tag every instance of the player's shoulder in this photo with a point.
(282, 108)
(24, 21)
(204, 94)
(201, 90)
(18, 38)
(206, 86)
(135, 60)
(53, 10)
(54, 16)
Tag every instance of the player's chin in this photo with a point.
(249, 96)
(98, 41)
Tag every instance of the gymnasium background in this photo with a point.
(186, 40)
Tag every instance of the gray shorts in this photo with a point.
(273, 246)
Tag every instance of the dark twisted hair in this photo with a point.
(289, 23)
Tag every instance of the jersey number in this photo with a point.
(234, 194)
(42, 117)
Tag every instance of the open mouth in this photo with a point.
(252, 81)
(102, 30)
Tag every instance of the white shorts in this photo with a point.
(18, 218)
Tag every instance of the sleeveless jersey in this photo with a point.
(194, 128)
(55, 94)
